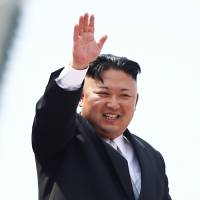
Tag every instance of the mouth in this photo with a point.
(111, 116)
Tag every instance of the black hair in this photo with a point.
(109, 61)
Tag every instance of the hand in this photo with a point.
(85, 48)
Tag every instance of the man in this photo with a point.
(92, 155)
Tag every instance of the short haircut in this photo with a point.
(109, 61)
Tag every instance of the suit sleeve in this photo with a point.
(166, 185)
(54, 122)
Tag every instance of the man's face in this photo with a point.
(109, 105)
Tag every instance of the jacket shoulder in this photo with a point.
(146, 146)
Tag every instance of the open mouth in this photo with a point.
(111, 116)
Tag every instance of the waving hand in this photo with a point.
(85, 47)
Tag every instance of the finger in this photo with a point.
(85, 23)
(102, 41)
(76, 32)
(81, 21)
(91, 24)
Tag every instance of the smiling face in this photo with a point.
(109, 105)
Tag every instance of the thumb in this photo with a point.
(102, 41)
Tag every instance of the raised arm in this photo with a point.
(54, 123)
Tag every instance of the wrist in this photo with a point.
(78, 66)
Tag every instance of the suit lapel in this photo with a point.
(147, 184)
(121, 168)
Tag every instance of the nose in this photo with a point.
(113, 103)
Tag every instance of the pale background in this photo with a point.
(163, 36)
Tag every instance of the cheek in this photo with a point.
(130, 108)
(97, 106)
(94, 104)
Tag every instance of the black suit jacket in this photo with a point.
(73, 163)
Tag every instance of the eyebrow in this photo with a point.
(103, 87)
(107, 88)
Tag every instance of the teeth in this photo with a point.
(111, 116)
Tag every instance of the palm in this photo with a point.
(85, 48)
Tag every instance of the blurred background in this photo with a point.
(163, 36)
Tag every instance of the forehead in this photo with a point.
(111, 79)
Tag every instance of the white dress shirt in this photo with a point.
(71, 79)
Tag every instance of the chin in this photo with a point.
(110, 133)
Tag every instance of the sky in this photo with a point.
(162, 36)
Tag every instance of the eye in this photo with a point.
(126, 95)
(102, 94)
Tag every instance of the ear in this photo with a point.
(137, 99)
(81, 100)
